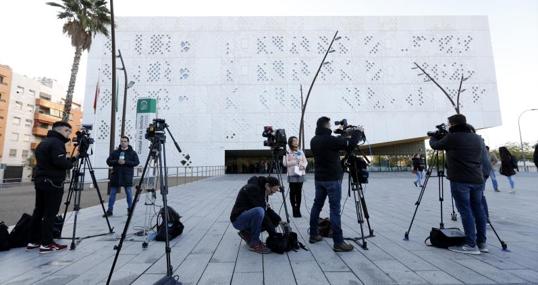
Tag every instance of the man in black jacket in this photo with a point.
(123, 160)
(50, 172)
(251, 214)
(328, 180)
(464, 150)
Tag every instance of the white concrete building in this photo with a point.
(219, 80)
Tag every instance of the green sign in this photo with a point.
(146, 106)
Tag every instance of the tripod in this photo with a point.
(156, 135)
(440, 175)
(75, 190)
(278, 153)
(351, 166)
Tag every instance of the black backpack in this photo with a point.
(288, 241)
(444, 238)
(324, 227)
(175, 227)
(20, 234)
(4, 237)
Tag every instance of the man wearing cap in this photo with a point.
(50, 172)
(464, 150)
(328, 180)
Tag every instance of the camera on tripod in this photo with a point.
(275, 139)
(439, 133)
(348, 130)
(83, 139)
(156, 129)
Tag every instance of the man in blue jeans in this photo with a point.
(464, 151)
(123, 160)
(328, 180)
(251, 215)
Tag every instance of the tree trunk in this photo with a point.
(71, 88)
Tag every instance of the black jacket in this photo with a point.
(326, 149)
(251, 196)
(535, 155)
(418, 164)
(508, 166)
(52, 161)
(122, 174)
(463, 154)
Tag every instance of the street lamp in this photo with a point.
(128, 84)
(520, 137)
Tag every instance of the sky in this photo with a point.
(32, 43)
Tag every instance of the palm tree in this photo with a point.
(84, 19)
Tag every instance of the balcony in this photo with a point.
(48, 104)
(45, 118)
(40, 132)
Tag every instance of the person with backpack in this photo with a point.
(418, 169)
(123, 161)
(295, 162)
(508, 166)
(493, 161)
(251, 215)
(50, 172)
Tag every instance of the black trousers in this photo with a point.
(48, 199)
(295, 196)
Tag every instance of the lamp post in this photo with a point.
(521, 138)
(128, 84)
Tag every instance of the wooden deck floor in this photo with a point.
(210, 251)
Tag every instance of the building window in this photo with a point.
(27, 138)
(45, 96)
(31, 93)
(30, 107)
(18, 105)
(28, 123)
(15, 137)
(16, 121)
(1, 79)
(20, 90)
(12, 153)
(25, 154)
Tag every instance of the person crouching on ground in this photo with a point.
(251, 214)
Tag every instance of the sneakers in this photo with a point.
(314, 239)
(51, 247)
(512, 191)
(483, 247)
(107, 214)
(497, 190)
(31, 246)
(465, 249)
(259, 247)
(244, 236)
(416, 185)
(343, 247)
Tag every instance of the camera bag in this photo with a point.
(444, 238)
(175, 226)
(21, 232)
(280, 243)
(4, 237)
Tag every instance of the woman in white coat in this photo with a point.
(295, 161)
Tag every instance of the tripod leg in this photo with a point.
(164, 193)
(76, 210)
(420, 196)
(360, 219)
(68, 199)
(454, 215)
(365, 210)
(129, 216)
(96, 186)
(503, 244)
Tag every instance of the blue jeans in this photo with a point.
(112, 198)
(494, 180)
(251, 221)
(419, 175)
(333, 189)
(511, 180)
(469, 201)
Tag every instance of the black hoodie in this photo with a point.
(52, 161)
(251, 196)
(463, 154)
(122, 174)
(326, 149)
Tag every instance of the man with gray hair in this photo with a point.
(50, 173)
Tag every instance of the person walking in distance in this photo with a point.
(123, 160)
(493, 161)
(50, 173)
(295, 161)
(508, 166)
(418, 169)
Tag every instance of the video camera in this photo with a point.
(156, 129)
(439, 133)
(275, 139)
(83, 139)
(347, 130)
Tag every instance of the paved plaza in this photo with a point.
(210, 251)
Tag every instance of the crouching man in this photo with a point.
(251, 215)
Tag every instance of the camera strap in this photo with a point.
(61, 186)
